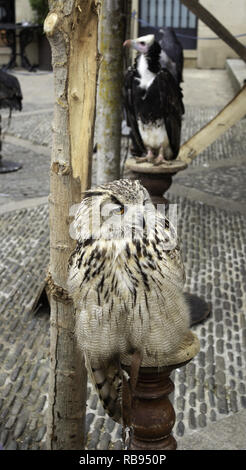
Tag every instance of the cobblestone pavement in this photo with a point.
(31, 181)
(211, 387)
(24, 333)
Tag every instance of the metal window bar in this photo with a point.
(165, 10)
(187, 17)
(172, 12)
(174, 15)
(148, 12)
(180, 14)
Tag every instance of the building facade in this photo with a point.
(202, 53)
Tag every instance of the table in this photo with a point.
(9, 32)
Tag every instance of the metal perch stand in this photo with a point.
(153, 415)
(6, 166)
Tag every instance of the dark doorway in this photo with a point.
(168, 13)
(7, 11)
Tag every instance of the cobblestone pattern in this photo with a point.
(35, 127)
(229, 146)
(213, 384)
(226, 182)
(32, 180)
(24, 336)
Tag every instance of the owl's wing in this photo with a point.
(108, 384)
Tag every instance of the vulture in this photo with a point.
(172, 56)
(10, 92)
(153, 104)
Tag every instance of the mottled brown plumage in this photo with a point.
(126, 279)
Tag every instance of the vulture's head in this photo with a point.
(142, 44)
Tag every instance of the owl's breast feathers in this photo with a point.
(126, 268)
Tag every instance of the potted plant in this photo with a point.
(41, 9)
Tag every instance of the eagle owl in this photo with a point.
(126, 279)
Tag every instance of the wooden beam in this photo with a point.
(207, 18)
(226, 118)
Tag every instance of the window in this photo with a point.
(168, 13)
(7, 11)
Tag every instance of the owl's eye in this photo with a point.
(119, 211)
(142, 43)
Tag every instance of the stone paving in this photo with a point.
(24, 333)
(209, 390)
(31, 181)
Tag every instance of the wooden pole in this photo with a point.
(226, 118)
(72, 28)
(109, 99)
(203, 14)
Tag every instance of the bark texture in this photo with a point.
(72, 29)
(109, 99)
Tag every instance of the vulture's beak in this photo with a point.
(140, 47)
(127, 43)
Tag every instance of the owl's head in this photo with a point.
(114, 210)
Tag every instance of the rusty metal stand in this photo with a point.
(157, 180)
(152, 413)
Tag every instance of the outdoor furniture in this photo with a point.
(9, 32)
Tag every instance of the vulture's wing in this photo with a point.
(172, 107)
(174, 50)
(130, 110)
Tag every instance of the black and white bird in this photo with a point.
(153, 103)
(10, 92)
(172, 56)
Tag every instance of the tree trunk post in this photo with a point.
(71, 27)
(109, 99)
